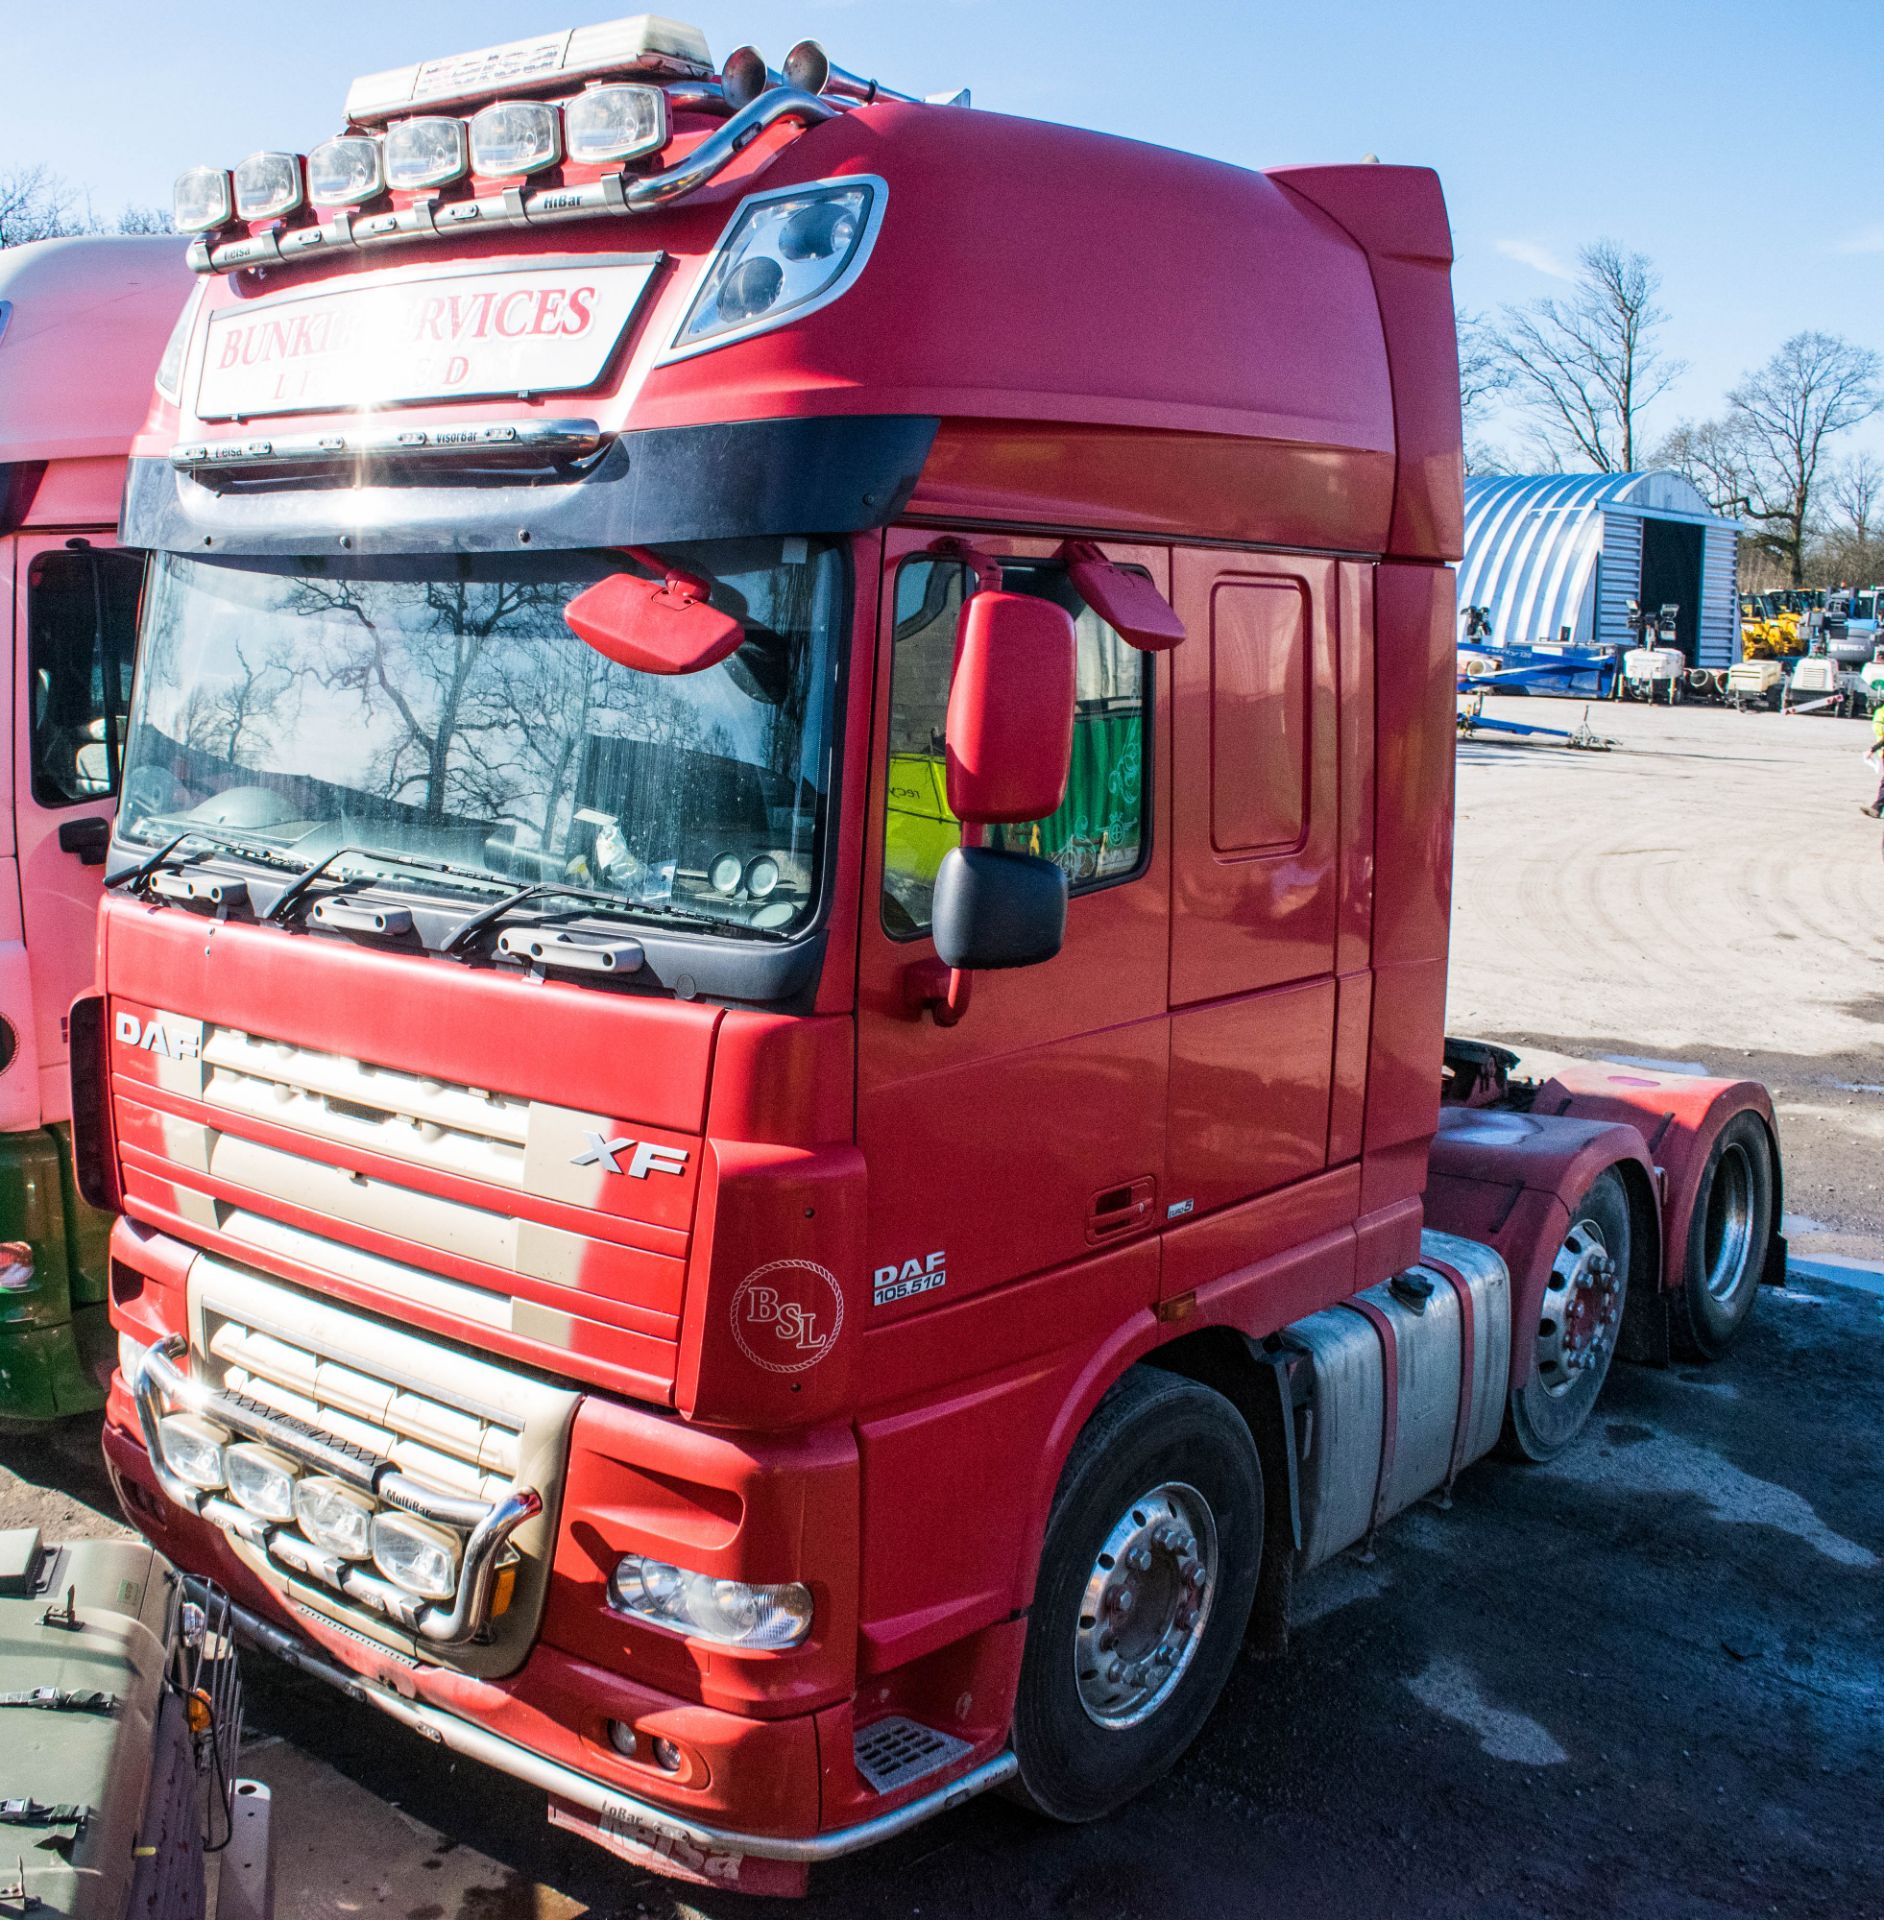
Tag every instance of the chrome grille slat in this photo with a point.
(456, 1450)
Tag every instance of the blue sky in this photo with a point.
(1738, 142)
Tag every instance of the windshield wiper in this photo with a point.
(135, 877)
(500, 908)
(297, 889)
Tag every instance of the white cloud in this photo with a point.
(1540, 259)
(1866, 240)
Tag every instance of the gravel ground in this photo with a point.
(1643, 1682)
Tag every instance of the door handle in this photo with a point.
(1119, 1210)
(87, 838)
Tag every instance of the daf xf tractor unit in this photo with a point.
(769, 1018)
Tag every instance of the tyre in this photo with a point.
(1577, 1325)
(1727, 1241)
(1146, 1579)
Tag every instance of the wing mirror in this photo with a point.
(665, 625)
(1009, 735)
(1009, 746)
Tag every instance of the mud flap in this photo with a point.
(1647, 1336)
(626, 1833)
(1777, 1253)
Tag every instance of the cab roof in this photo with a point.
(85, 322)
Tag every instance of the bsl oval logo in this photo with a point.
(787, 1315)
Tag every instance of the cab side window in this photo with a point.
(1098, 833)
(81, 623)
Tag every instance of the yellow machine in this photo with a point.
(1769, 629)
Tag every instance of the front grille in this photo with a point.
(447, 1447)
(404, 1116)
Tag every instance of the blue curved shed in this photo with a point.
(1556, 558)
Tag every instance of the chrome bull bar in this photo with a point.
(489, 1524)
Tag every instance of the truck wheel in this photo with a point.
(1146, 1581)
(1727, 1241)
(1577, 1326)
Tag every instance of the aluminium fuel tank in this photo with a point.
(1409, 1381)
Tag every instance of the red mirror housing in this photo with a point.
(1010, 720)
(654, 626)
(1127, 602)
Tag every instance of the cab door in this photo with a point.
(1255, 878)
(1031, 1134)
(74, 634)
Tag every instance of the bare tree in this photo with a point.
(1584, 368)
(1713, 456)
(1483, 377)
(1782, 420)
(35, 204)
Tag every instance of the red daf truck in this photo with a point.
(83, 324)
(770, 1014)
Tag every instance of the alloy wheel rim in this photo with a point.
(1727, 1229)
(1146, 1603)
(1582, 1308)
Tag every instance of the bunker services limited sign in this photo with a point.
(468, 335)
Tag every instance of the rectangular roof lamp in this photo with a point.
(642, 43)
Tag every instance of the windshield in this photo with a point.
(442, 709)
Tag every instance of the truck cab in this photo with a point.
(82, 324)
(778, 936)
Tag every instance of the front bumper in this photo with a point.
(711, 1853)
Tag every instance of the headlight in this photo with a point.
(333, 1515)
(261, 1479)
(785, 255)
(346, 171)
(267, 184)
(416, 1555)
(193, 1449)
(615, 123)
(736, 1613)
(130, 1356)
(201, 200)
(515, 136)
(425, 153)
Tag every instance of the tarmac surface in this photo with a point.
(1645, 1681)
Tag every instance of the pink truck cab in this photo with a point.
(82, 325)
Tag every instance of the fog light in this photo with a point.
(736, 1613)
(261, 1479)
(267, 184)
(16, 1267)
(621, 1737)
(615, 123)
(666, 1756)
(425, 153)
(515, 137)
(193, 1449)
(344, 171)
(333, 1515)
(201, 200)
(416, 1555)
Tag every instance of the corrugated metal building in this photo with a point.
(1558, 557)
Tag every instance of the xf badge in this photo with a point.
(644, 1157)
